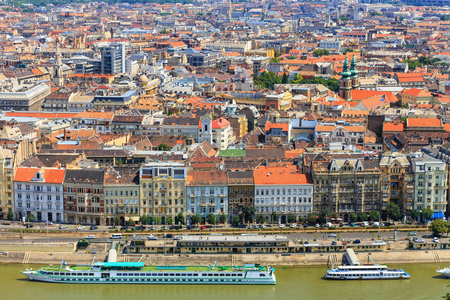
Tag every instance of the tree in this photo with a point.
(119, 162)
(374, 214)
(343, 18)
(298, 79)
(274, 60)
(222, 218)
(323, 215)
(427, 213)
(196, 219)
(284, 80)
(116, 221)
(179, 219)
(415, 214)
(211, 219)
(292, 219)
(393, 211)
(236, 221)
(169, 220)
(348, 50)
(311, 219)
(363, 217)
(249, 213)
(260, 219)
(353, 217)
(438, 227)
(163, 147)
(321, 52)
(10, 216)
(144, 219)
(274, 216)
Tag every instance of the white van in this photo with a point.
(116, 236)
(364, 224)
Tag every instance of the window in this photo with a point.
(49, 188)
(49, 197)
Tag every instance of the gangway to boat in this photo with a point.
(351, 257)
(112, 254)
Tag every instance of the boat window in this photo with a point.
(172, 274)
(222, 274)
(136, 274)
(262, 275)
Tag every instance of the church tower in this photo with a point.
(58, 78)
(345, 83)
(354, 72)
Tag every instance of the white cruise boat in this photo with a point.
(137, 272)
(365, 272)
(445, 272)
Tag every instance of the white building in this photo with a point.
(40, 192)
(217, 131)
(330, 44)
(207, 193)
(284, 191)
(430, 180)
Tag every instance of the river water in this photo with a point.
(292, 283)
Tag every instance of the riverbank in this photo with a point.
(298, 260)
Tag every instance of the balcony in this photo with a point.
(203, 203)
(192, 195)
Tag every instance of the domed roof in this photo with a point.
(143, 78)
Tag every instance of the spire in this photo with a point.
(58, 54)
(58, 77)
(345, 72)
(354, 72)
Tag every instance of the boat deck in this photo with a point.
(163, 268)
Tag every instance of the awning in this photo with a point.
(131, 218)
(438, 215)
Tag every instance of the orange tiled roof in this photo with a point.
(49, 175)
(94, 115)
(417, 92)
(283, 126)
(423, 122)
(389, 126)
(286, 175)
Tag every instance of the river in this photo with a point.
(292, 283)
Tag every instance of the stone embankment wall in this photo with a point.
(310, 259)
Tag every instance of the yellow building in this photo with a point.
(162, 189)
(6, 180)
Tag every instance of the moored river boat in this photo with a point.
(137, 272)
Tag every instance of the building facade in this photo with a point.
(84, 196)
(122, 193)
(241, 192)
(163, 190)
(430, 178)
(207, 193)
(345, 186)
(39, 192)
(7, 182)
(284, 191)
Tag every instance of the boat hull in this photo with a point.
(445, 273)
(34, 276)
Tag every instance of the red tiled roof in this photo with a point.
(423, 122)
(389, 126)
(283, 126)
(50, 175)
(287, 175)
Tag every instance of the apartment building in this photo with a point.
(39, 192)
(163, 190)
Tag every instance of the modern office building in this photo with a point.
(113, 58)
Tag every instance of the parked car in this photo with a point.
(341, 225)
(411, 233)
(317, 225)
(364, 224)
(190, 227)
(382, 224)
(153, 228)
(177, 237)
(282, 226)
(165, 227)
(332, 235)
(293, 225)
(63, 227)
(436, 240)
(203, 227)
(93, 227)
(168, 236)
(417, 240)
(358, 241)
(333, 243)
(263, 226)
(329, 224)
(90, 237)
(48, 223)
(150, 237)
(376, 223)
(352, 225)
(29, 225)
(80, 227)
(116, 236)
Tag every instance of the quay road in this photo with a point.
(71, 234)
